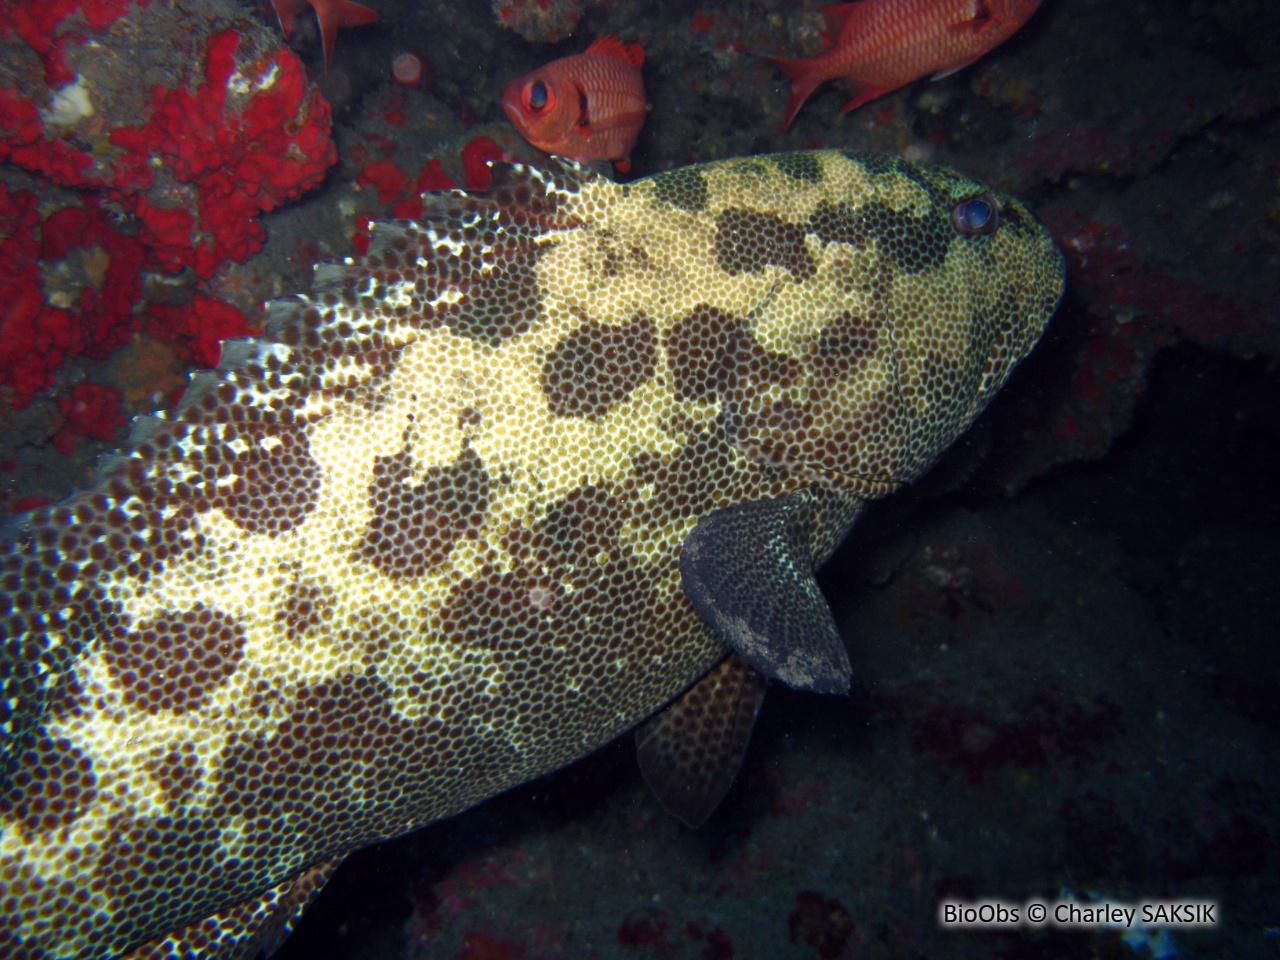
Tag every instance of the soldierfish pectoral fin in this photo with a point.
(984, 21)
(691, 751)
(243, 931)
(977, 25)
(748, 570)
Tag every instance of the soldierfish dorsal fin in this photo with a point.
(690, 753)
(631, 53)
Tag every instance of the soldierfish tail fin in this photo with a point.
(287, 11)
(339, 13)
(631, 53)
(804, 80)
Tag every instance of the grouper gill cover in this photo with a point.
(557, 460)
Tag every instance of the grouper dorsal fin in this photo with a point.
(690, 752)
(748, 570)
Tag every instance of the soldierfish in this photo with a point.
(331, 15)
(881, 45)
(589, 106)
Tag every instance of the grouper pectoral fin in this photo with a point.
(690, 752)
(748, 570)
(244, 930)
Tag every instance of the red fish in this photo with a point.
(589, 106)
(332, 14)
(881, 45)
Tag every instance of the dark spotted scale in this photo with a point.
(553, 462)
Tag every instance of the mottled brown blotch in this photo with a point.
(798, 166)
(684, 189)
(269, 489)
(416, 524)
(747, 241)
(174, 660)
(712, 354)
(597, 366)
(701, 352)
(845, 344)
(578, 528)
(141, 868)
(54, 785)
(330, 731)
(501, 298)
(837, 222)
(692, 481)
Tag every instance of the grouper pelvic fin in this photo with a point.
(690, 752)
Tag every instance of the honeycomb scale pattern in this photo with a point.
(419, 542)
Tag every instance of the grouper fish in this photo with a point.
(553, 463)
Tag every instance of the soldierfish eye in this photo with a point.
(977, 215)
(538, 97)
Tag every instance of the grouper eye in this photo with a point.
(977, 215)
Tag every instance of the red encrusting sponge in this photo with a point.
(193, 166)
(90, 410)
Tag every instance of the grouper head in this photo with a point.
(922, 291)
